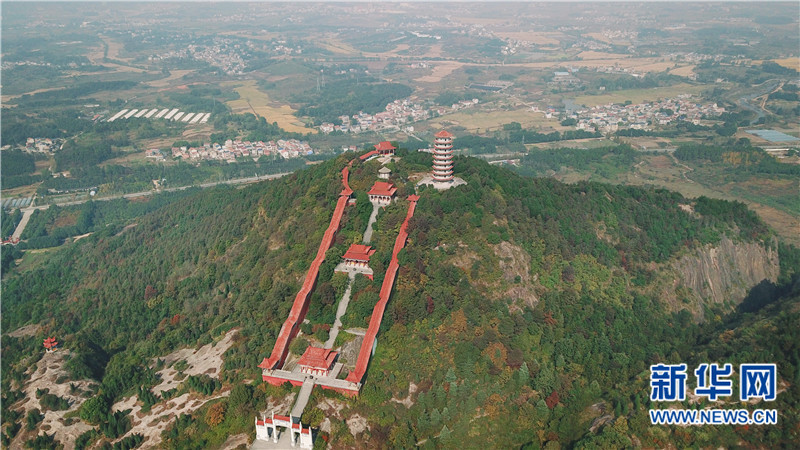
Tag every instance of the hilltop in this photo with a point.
(526, 311)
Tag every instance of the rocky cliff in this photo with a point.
(726, 271)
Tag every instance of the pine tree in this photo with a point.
(444, 435)
(524, 374)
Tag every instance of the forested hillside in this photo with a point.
(524, 312)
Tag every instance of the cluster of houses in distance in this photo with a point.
(168, 114)
(42, 145)
(231, 150)
(612, 116)
(397, 115)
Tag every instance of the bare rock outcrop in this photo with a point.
(726, 271)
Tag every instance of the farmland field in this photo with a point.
(255, 101)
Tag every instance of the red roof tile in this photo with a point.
(385, 146)
(367, 155)
(382, 188)
(318, 358)
(443, 134)
(358, 252)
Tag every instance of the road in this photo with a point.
(767, 87)
(26, 213)
(180, 188)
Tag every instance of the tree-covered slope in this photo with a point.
(524, 311)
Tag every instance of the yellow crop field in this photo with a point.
(683, 71)
(255, 101)
(792, 63)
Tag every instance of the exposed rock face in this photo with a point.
(516, 262)
(727, 271)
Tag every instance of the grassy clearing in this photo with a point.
(639, 95)
(135, 157)
(255, 101)
(478, 120)
(574, 143)
(337, 46)
(440, 71)
(602, 38)
(22, 191)
(535, 37)
(173, 75)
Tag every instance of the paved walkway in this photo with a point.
(340, 310)
(26, 216)
(372, 218)
(302, 397)
(284, 443)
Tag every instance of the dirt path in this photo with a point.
(680, 164)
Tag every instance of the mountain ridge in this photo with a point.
(227, 257)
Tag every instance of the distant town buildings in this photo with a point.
(611, 117)
(231, 55)
(42, 145)
(397, 116)
(230, 150)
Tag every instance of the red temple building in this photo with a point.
(384, 148)
(358, 256)
(317, 361)
(443, 157)
(382, 193)
(50, 344)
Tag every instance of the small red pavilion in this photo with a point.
(317, 361)
(50, 344)
(385, 148)
(382, 192)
